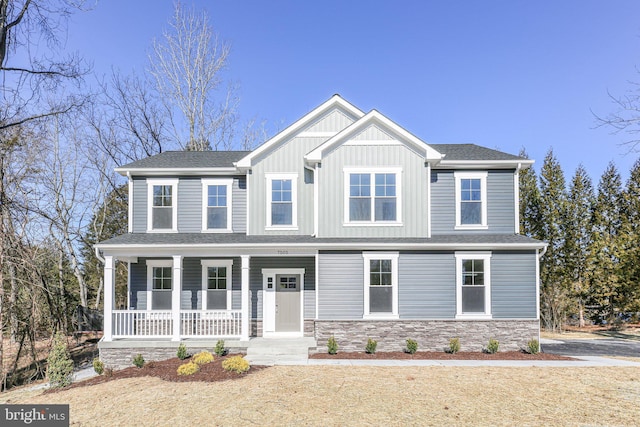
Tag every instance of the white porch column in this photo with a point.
(109, 297)
(176, 290)
(246, 307)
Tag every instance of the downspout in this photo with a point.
(516, 191)
(97, 251)
(130, 202)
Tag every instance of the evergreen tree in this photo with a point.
(553, 206)
(577, 244)
(606, 250)
(629, 237)
(529, 201)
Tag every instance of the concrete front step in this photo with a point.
(280, 351)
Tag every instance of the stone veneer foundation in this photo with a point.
(431, 335)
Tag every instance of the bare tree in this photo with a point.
(626, 117)
(187, 66)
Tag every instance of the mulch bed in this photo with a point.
(167, 370)
(440, 355)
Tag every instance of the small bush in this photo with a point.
(108, 371)
(332, 345)
(236, 364)
(188, 368)
(220, 350)
(98, 366)
(493, 346)
(371, 346)
(454, 345)
(533, 346)
(138, 361)
(59, 363)
(182, 352)
(203, 358)
(412, 346)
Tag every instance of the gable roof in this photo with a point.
(473, 156)
(186, 162)
(336, 101)
(373, 117)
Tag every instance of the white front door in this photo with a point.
(283, 297)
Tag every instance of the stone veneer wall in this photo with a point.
(431, 335)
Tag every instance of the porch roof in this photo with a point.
(240, 240)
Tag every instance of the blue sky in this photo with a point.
(502, 74)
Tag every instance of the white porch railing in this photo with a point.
(159, 323)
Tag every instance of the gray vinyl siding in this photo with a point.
(500, 203)
(413, 192)
(139, 201)
(372, 133)
(341, 286)
(255, 281)
(289, 158)
(513, 285)
(427, 286)
(333, 121)
(138, 285)
(189, 205)
(239, 196)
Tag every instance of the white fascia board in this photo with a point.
(484, 164)
(374, 117)
(178, 171)
(333, 102)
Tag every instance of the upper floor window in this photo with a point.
(471, 200)
(372, 196)
(380, 284)
(162, 205)
(282, 201)
(473, 279)
(216, 207)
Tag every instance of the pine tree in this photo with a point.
(629, 237)
(529, 201)
(553, 206)
(606, 249)
(577, 232)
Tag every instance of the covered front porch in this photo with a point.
(167, 302)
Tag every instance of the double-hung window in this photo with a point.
(372, 197)
(162, 213)
(473, 280)
(380, 284)
(282, 201)
(471, 200)
(216, 284)
(217, 203)
(159, 284)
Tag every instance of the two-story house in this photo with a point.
(343, 224)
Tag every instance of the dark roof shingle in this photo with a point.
(472, 152)
(188, 159)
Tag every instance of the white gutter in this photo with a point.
(97, 251)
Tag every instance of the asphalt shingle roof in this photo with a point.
(472, 152)
(189, 159)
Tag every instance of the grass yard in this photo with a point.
(323, 395)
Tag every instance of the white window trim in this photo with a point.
(482, 176)
(173, 182)
(397, 171)
(270, 177)
(151, 263)
(393, 256)
(206, 263)
(486, 257)
(206, 182)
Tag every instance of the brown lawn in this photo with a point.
(328, 395)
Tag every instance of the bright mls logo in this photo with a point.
(34, 415)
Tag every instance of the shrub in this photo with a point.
(236, 364)
(493, 346)
(412, 346)
(203, 358)
(332, 345)
(59, 363)
(219, 350)
(138, 361)
(98, 366)
(188, 368)
(533, 346)
(182, 352)
(454, 345)
(108, 371)
(370, 348)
